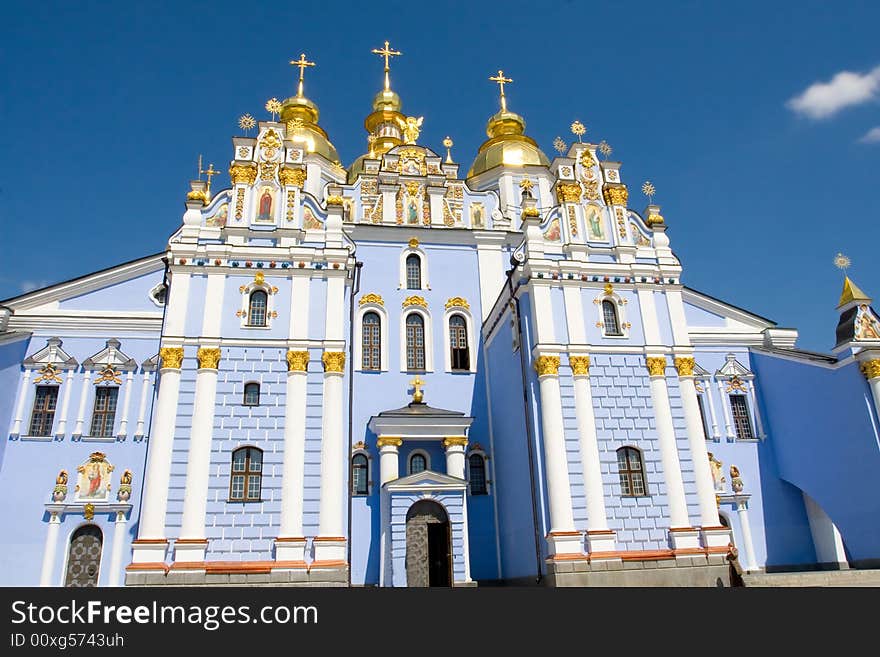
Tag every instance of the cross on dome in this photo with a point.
(387, 53)
(302, 63)
(501, 81)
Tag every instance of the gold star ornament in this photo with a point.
(560, 145)
(273, 106)
(649, 190)
(246, 122)
(605, 149)
(578, 129)
(842, 262)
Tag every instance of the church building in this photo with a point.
(405, 372)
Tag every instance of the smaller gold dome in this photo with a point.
(507, 145)
(505, 123)
(299, 107)
(387, 101)
(301, 116)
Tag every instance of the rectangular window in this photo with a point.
(104, 412)
(739, 409)
(43, 416)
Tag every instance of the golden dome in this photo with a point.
(301, 116)
(507, 145)
(386, 100)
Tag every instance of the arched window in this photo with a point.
(251, 394)
(371, 342)
(413, 272)
(631, 471)
(458, 343)
(417, 463)
(257, 308)
(245, 484)
(477, 474)
(360, 471)
(415, 342)
(609, 318)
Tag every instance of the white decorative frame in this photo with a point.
(383, 337)
(478, 451)
(423, 258)
(738, 376)
(469, 327)
(620, 306)
(246, 291)
(429, 338)
(152, 295)
(369, 458)
(244, 386)
(410, 456)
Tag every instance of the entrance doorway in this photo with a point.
(84, 557)
(428, 545)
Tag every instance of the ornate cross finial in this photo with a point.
(560, 145)
(605, 149)
(501, 81)
(246, 122)
(649, 190)
(578, 129)
(210, 172)
(418, 395)
(526, 185)
(448, 143)
(273, 106)
(302, 63)
(387, 53)
(842, 262)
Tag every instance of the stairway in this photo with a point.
(815, 578)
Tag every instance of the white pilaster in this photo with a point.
(178, 299)
(725, 409)
(335, 323)
(19, 407)
(542, 313)
(330, 543)
(756, 412)
(81, 413)
(299, 305)
(65, 404)
(50, 549)
(574, 314)
(389, 463)
(707, 394)
(491, 266)
(455, 446)
(743, 513)
(123, 422)
(291, 543)
(142, 407)
(562, 539)
(116, 551)
(465, 540)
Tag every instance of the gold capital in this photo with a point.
(242, 174)
(615, 194)
(292, 177)
(171, 357)
(451, 441)
(297, 361)
(334, 199)
(392, 441)
(580, 365)
(685, 366)
(871, 368)
(209, 359)
(656, 365)
(568, 192)
(545, 365)
(334, 361)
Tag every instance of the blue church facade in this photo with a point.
(395, 375)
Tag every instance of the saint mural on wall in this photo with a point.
(310, 222)
(219, 217)
(595, 224)
(477, 212)
(93, 482)
(867, 327)
(266, 201)
(412, 213)
(552, 234)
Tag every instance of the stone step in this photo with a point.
(851, 577)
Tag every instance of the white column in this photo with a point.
(192, 544)
(562, 539)
(330, 543)
(455, 446)
(678, 515)
(756, 412)
(725, 408)
(299, 303)
(81, 413)
(742, 511)
(65, 404)
(599, 537)
(699, 455)
(871, 370)
(19, 408)
(142, 407)
(707, 394)
(151, 527)
(465, 541)
(116, 552)
(290, 545)
(50, 549)
(389, 464)
(123, 423)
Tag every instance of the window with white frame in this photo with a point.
(631, 471)
(418, 462)
(413, 272)
(360, 474)
(739, 411)
(610, 318)
(104, 411)
(251, 394)
(258, 306)
(371, 341)
(43, 413)
(459, 353)
(415, 342)
(246, 479)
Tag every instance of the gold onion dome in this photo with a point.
(301, 118)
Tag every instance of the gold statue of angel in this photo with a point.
(412, 129)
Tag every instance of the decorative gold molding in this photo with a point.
(531, 212)
(413, 242)
(297, 361)
(197, 195)
(259, 278)
(609, 289)
(89, 511)
(392, 441)
(171, 357)
(334, 361)
(415, 300)
(451, 441)
(457, 302)
(871, 368)
(545, 365)
(580, 365)
(292, 177)
(656, 365)
(334, 199)
(242, 174)
(109, 375)
(568, 192)
(48, 373)
(209, 359)
(615, 193)
(372, 297)
(653, 220)
(685, 366)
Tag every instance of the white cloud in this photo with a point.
(825, 99)
(871, 137)
(29, 286)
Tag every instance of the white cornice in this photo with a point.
(103, 323)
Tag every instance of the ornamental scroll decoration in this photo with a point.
(209, 359)
(457, 302)
(656, 365)
(297, 361)
(580, 365)
(736, 384)
(415, 300)
(334, 361)
(49, 373)
(547, 365)
(172, 357)
(372, 297)
(685, 366)
(109, 375)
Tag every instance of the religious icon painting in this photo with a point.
(93, 480)
(266, 204)
(867, 326)
(219, 217)
(552, 233)
(595, 224)
(310, 222)
(478, 214)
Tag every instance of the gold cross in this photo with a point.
(501, 80)
(302, 63)
(417, 384)
(387, 53)
(210, 172)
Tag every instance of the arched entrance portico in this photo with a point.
(428, 545)
(84, 557)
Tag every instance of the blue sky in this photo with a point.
(752, 119)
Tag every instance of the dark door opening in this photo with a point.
(438, 554)
(428, 545)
